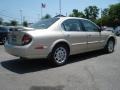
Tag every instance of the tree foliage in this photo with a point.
(6, 24)
(1, 21)
(91, 12)
(14, 23)
(110, 16)
(105, 12)
(114, 13)
(47, 16)
(105, 21)
(76, 13)
(25, 23)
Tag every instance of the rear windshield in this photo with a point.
(44, 24)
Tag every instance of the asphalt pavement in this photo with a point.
(89, 71)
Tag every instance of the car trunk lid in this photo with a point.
(16, 34)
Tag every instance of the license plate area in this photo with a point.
(12, 37)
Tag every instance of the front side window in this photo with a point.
(89, 26)
(72, 25)
(45, 23)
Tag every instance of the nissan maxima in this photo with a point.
(58, 38)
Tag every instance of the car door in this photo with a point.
(94, 40)
(75, 35)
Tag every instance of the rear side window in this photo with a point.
(72, 25)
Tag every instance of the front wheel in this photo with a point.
(59, 55)
(110, 46)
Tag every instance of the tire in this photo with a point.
(59, 55)
(110, 46)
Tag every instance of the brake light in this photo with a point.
(26, 39)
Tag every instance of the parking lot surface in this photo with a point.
(89, 71)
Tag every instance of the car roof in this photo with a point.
(71, 18)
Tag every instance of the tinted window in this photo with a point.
(72, 25)
(44, 24)
(89, 26)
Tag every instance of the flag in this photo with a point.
(43, 5)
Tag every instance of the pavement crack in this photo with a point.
(47, 87)
(91, 77)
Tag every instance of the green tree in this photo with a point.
(14, 23)
(110, 16)
(105, 21)
(76, 13)
(105, 12)
(98, 22)
(1, 21)
(47, 16)
(25, 23)
(114, 13)
(6, 24)
(91, 12)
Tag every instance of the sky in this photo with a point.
(31, 9)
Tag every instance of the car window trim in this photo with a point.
(82, 26)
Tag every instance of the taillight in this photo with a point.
(26, 39)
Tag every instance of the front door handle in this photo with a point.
(68, 35)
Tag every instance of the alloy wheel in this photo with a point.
(110, 46)
(60, 55)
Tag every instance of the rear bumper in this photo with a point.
(25, 51)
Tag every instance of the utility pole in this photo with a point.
(60, 6)
(66, 14)
(41, 12)
(42, 7)
(24, 18)
(21, 16)
(101, 16)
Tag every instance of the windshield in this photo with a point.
(44, 24)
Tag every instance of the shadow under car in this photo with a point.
(26, 66)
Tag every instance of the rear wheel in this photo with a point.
(59, 55)
(110, 46)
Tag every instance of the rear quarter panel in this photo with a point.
(47, 38)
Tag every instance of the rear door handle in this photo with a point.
(89, 35)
